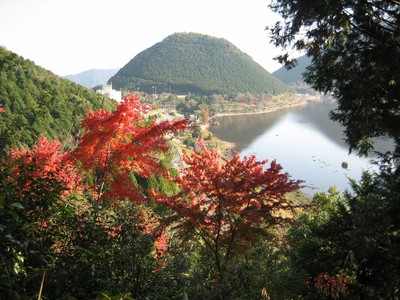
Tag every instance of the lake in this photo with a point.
(307, 144)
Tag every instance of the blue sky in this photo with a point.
(71, 36)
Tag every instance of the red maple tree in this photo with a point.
(43, 179)
(120, 143)
(227, 204)
(45, 160)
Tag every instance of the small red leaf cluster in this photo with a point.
(332, 286)
(46, 160)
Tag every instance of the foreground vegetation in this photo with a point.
(113, 218)
(354, 52)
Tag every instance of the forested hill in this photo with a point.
(196, 63)
(294, 75)
(35, 102)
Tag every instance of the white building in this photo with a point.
(108, 91)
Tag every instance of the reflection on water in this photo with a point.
(242, 130)
(304, 141)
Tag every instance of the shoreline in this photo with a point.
(304, 103)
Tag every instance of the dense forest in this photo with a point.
(196, 63)
(35, 102)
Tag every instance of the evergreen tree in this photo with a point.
(355, 52)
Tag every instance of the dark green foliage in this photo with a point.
(246, 275)
(376, 240)
(157, 181)
(355, 236)
(355, 51)
(30, 220)
(12, 235)
(38, 102)
(201, 64)
(110, 253)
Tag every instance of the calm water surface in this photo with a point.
(307, 144)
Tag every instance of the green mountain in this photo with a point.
(92, 78)
(294, 75)
(196, 63)
(35, 102)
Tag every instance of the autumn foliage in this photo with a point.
(45, 160)
(117, 144)
(332, 287)
(89, 220)
(227, 204)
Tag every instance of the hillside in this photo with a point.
(196, 63)
(294, 75)
(92, 77)
(35, 102)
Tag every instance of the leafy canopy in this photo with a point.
(109, 237)
(81, 240)
(353, 238)
(355, 52)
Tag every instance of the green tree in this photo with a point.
(354, 48)
(317, 244)
(353, 238)
(354, 51)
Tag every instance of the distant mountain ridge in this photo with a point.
(294, 75)
(196, 63)
(93, 77)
